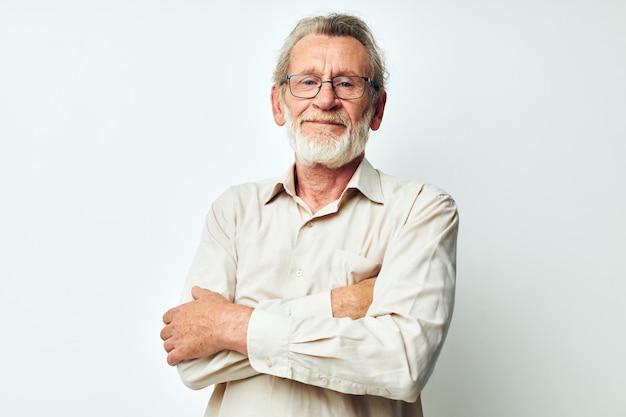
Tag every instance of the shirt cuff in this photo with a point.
(268, 343)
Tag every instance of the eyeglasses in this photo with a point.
(345, 87)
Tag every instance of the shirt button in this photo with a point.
(298, 272)
(310, 224)
(323, 380)
(268, 362)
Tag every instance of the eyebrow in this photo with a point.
(334, 74)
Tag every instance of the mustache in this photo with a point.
(328, 117)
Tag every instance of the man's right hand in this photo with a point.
(354, 300)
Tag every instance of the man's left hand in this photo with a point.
(203, 327)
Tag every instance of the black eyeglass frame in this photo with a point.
(368, 80)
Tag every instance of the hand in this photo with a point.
(354, 300)
(203, 327)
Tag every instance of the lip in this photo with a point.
(322, 127)
(324, 122)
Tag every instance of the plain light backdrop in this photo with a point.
(120, 122)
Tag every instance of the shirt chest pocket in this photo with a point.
(349, 268)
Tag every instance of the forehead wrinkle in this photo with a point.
(327, 56)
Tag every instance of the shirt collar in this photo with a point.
(366, 179)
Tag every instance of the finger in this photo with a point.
(168, 345)
(166, 333)
(168, 316)
(172, 359)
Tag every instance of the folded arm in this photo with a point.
(211, 324)
(392, 350)
(313, 339)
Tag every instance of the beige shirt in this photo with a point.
(261, 246)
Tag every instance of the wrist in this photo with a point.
(235, 328)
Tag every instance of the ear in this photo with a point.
(379, 110)
(277, 108)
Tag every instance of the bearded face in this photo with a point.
(323, 146)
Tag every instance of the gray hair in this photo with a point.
(335, 25)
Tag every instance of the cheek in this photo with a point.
(296, 110)
(358, 115)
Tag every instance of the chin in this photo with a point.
(323, 147)
(331, 156)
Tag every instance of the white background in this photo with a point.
(120, 122)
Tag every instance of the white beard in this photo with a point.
(326, 148)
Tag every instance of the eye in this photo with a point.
(308, 81)
(344, 82)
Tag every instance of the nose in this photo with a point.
(326, 98)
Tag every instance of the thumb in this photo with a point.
(198, 292)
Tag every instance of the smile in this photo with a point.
(324, 122)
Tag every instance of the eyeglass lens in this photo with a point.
(345, 87)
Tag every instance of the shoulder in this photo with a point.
(246, 195)
(396, 187)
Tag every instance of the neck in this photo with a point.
(319, 185)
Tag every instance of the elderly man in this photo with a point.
(327, 291)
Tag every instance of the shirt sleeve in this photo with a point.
(214, 267)
(318, 304)
(402, 334)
